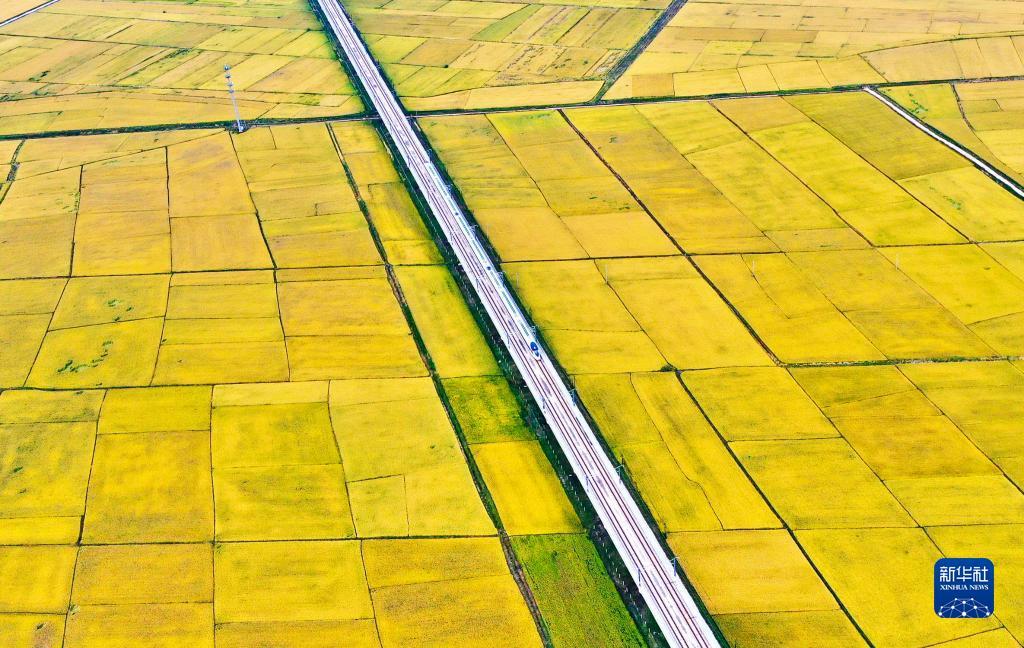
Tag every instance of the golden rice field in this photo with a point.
(243, 402)
(986, 117)
(92, 64)
(797, 322)
(715, 47)
(480, 54)
(806, 173)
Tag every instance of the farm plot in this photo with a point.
(87, 64)
(987, 117)
(478, 54)
(539, 191)
(206, 438)
(824, 372)
(715, 47)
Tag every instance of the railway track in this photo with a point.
(674, 609)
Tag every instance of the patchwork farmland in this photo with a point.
(253, 393)
(787, 368)
(232, 403)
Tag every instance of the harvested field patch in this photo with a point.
(713, 47)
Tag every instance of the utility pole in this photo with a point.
(231, 91)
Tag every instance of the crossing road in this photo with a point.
(4, 23)
(981, 164)
(670, 602)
